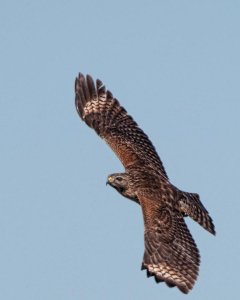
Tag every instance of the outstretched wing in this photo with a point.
(171, 254)
(102, 112)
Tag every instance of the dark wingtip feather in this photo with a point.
(149, 274)
(80, 97)
(109, 95)
(80, 78)
(91, 86)
(99, 83)
(158, 279)
(102, 90)
(184, 289)
(78, 82)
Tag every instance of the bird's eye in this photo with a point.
(119, 179)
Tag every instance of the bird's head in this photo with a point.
(121, 183)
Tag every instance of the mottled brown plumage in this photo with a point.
(171, 254)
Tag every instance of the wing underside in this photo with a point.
(102, 112)
(171, 254)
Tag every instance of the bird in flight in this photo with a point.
(171, 255)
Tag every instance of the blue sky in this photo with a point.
(175, 66)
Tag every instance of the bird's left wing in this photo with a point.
(102, 112)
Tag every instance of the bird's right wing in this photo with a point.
(102, 112)
(171, 254)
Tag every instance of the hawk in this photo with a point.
(171, 255)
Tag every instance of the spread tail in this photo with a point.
(190, 204)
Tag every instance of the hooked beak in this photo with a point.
(109, 180)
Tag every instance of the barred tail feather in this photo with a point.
(190, 204)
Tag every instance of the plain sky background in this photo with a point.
(175, 66)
